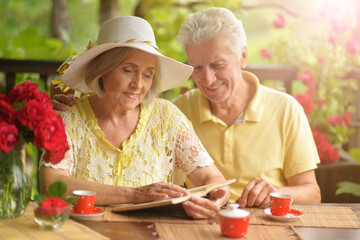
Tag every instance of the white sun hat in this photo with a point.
(126, 31)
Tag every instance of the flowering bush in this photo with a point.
(324, 52)
(26, 115)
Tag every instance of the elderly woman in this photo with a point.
(125, 144)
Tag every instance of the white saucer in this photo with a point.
(291, 216)
(97, 212)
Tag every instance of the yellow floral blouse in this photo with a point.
(163, 148)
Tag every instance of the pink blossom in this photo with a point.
(306, 102)
(338, 26)
(337, 120)
(320, 103)
(308, 79)
(352, 47)
(279, 21)
(266, 53)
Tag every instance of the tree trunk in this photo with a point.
(139, 10)
(108, 9)
(60, 24)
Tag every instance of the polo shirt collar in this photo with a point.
(255, 108)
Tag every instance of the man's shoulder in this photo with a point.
(278, 96)
(188, 98)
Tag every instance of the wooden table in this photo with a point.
(129, 231)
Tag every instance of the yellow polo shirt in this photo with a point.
(272, 140)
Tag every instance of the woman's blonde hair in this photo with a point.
(109, 60)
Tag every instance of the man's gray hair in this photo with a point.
(212, 22)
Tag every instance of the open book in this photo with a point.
(198, 192)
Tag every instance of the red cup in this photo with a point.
(85, 203)
(280, 203)
(234, 222)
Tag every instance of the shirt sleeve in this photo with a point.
(189, 151)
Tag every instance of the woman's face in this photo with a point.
(126, 85)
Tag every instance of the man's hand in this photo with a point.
(200, 208)
(61, 101)
(256, 193)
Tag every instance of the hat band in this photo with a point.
(91, 45)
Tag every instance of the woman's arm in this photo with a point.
(108, 194)
(199, 207)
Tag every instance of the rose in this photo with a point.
(51, 207)
(33, 113)
(50, 134)
(43, 98)
(9, 136)
(7, 114)
(22, 92)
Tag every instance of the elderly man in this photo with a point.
(256, 134)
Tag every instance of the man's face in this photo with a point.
(217, 70)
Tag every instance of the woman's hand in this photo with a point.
(200, 208)
(157, 191)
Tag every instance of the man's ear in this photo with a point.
(243, 60)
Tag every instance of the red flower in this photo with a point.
(52, 206)
(306, 102)
(22, 92)
(327, 152)
(308, 79)
(320, 103)
(266, 53)
(4, 97)
(28, 113)
(337, 120)
(279, 21)
(352, 47)
(33, 113)
(7, 114)
(9, 136)
(43, 98)
(50, 134)
(347, 118)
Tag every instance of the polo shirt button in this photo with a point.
(227, 149)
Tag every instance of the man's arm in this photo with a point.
(302, 187)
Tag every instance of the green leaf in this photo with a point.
(72, 199)
(348, 187)
(57, 189)
(39, 198)
(355, 153)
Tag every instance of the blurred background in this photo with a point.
(308, 48)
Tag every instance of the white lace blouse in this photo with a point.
(163, 148)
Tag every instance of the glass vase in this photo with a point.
(15, 185)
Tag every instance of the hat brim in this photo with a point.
(172, 72)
